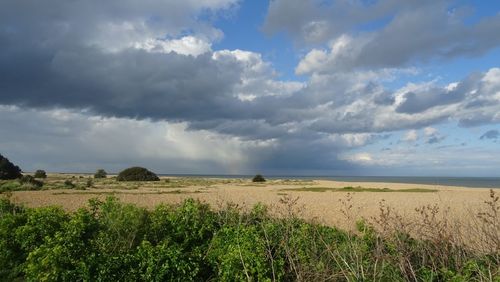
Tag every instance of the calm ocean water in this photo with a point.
(473, 182)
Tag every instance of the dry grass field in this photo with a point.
(328, 202)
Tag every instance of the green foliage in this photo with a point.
(40, 174)
(137, 174)
(12, 256)
(100, 173)
(258, 178)
(165, 262)
(69, 255)
(28, 182)
(113, 241)
(69, 184)
(41, 224)
(239, 253)
(11, 185)
(121, 226)
(8, 170)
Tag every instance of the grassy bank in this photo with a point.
(110, 240)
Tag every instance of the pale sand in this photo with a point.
(324, 207)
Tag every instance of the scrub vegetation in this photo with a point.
(113, 241)
(86, 182)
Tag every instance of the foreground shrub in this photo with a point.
(12, 256)
(100, 173)
(258, 178)
(67, 255)
(113, 241)
(137, 174)
(40, 174)
(8, 170)
(239, 253)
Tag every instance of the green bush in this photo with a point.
(40, 174)
(100, 173)
(69, 254)
(137, 174)
(12, 185)
(41, 224)
(8, 170)
(69, 184)
(12, 256)
(239, 253)
(28, 182)
(113, 241)
(165, 262)
(258, 178)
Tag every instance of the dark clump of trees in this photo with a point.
(137, 174)
(100, 173)
(258, 178)
(40, 174)
(8, 170)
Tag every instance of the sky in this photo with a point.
(281, 87)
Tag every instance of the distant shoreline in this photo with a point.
(469, 182)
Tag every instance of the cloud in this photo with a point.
(232, 92)
(429, 131)
(411, 136)
(315, 21)
(439, 161)
(435, 139)
(187, 45)
(110, 26)
(62, 140)
(490, 134)
(363, 158)
(445, 31)
(415, 103)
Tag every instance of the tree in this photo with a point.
(258, 178)
(8, 170)
(100, 173)
(137, 174)
(40, 174)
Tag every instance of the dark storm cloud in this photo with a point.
(490, 134)
(415, 103)
(131, 83)
(316, 151)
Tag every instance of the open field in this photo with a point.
(319, 200)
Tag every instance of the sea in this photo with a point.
(472, 182)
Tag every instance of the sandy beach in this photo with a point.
(326, 207)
